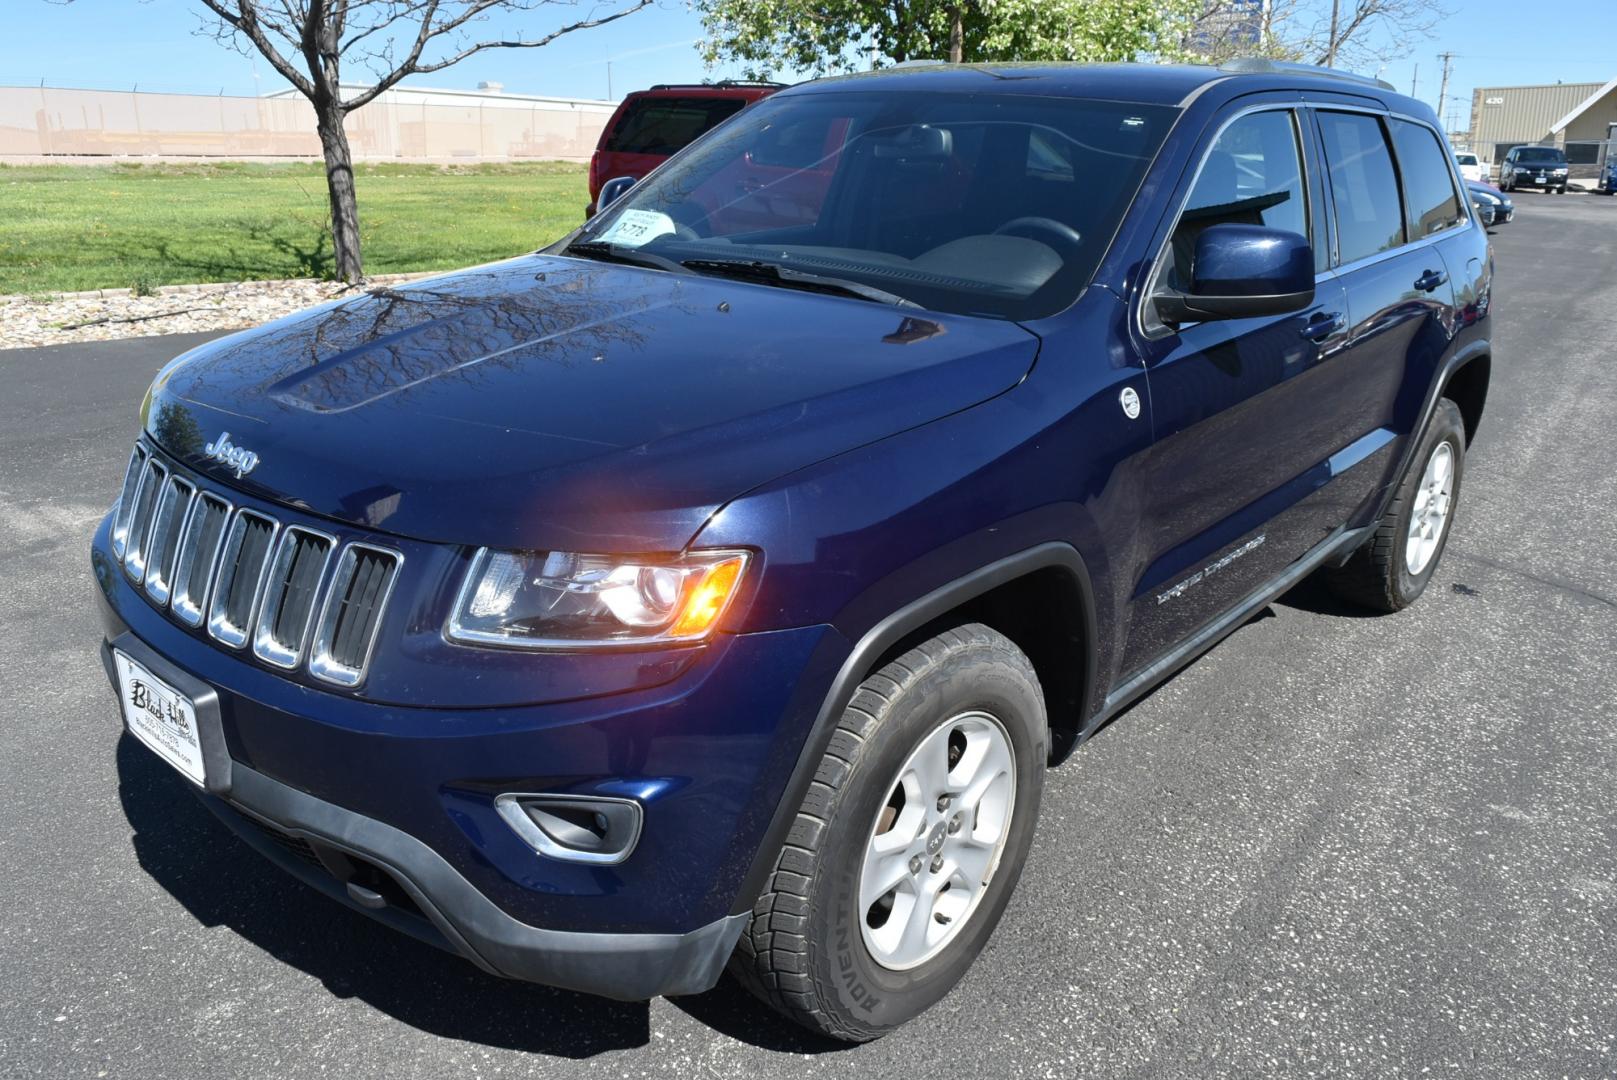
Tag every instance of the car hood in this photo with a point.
(555, 403)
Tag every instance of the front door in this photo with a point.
(1244, 424)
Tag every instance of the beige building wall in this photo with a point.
(1595, 122)
(42, 121)
(1521, 114)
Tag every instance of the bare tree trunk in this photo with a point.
(340, 185)
(957, 34)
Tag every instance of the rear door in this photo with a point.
(1389, 211)
(1244, 409)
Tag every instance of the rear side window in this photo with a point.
(1364, 185)
(1251, 176)
(665, 125)
(1433, 203)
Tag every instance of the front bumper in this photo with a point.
(371, 802)
(1549, 183)
(388, 874)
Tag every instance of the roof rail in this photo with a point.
(1257, 65)
(722, 84)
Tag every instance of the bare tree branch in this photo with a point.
(411, 67)
(245, 21)
(308, 42)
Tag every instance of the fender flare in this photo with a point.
(882, 637)
(1477, 350)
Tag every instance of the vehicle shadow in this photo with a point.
(1315, 597)
(730, 1010)
(223, 882)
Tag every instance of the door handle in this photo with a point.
(1430, 280)
(1325, 324)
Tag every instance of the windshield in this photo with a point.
(970, 203)
(1546, 154)
(1466, 159)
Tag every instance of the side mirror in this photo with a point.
(612, 191)
(1242, 271)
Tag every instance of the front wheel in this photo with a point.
(909, 842)
(1394, 566)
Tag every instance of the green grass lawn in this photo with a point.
(65, 228)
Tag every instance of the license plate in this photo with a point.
(160, 716)
(1542, 178)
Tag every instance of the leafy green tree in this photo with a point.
(829, 36)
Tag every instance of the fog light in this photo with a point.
(574, 828)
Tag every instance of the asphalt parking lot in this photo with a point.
(1335, 846)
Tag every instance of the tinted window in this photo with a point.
(1428, 184)
(665, 125)
(979, 203)
(1466, 159)
(1251, 176)
(1369, 216)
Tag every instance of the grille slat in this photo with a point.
(198, 550)
(152, 480)
(352, 613)
(161, 546)
(126, 500)
(239, 574)
(242, 565)
(288, 609)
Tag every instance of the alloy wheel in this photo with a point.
(1430, 516)
(937, 840)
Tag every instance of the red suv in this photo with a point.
(652, 125)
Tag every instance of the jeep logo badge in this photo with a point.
(1130, 402)
(226, 453)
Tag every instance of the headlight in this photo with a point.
(559, 600)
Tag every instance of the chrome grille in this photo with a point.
(352, 613)
(294, 578)
(172, 506)
(240, 576)
(152, 480)
(244, 577)
(198, 550)
(126, 500)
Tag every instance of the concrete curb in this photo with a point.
(206, 288)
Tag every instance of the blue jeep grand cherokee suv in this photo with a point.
(715, 586)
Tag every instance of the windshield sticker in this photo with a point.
(636, 227)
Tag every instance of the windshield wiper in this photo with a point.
(768, 273)
(606, 251)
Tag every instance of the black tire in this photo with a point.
(1377, 575)
(804, 951)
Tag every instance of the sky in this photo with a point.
(152, 44)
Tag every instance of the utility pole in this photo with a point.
(1443, 87)
(1414, 81)
(1330, 45)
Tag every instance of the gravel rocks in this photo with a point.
(105, 314)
